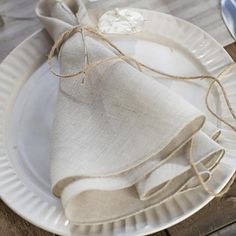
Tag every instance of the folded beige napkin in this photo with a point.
(120, 139)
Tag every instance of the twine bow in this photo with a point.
(132, 61)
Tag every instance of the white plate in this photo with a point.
(27, 92)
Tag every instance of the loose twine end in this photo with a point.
(132, 61)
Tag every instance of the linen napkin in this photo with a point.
(117, 136)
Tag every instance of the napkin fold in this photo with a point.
(120, 140)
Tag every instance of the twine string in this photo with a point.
(67, 34)
(201, 180)
(132, 61)
(86, 61)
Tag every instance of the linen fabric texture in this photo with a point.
(120, 142)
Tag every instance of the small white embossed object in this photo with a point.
(121, 21)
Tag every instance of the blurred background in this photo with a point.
(18, 19)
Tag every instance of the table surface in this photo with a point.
(218, 218)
